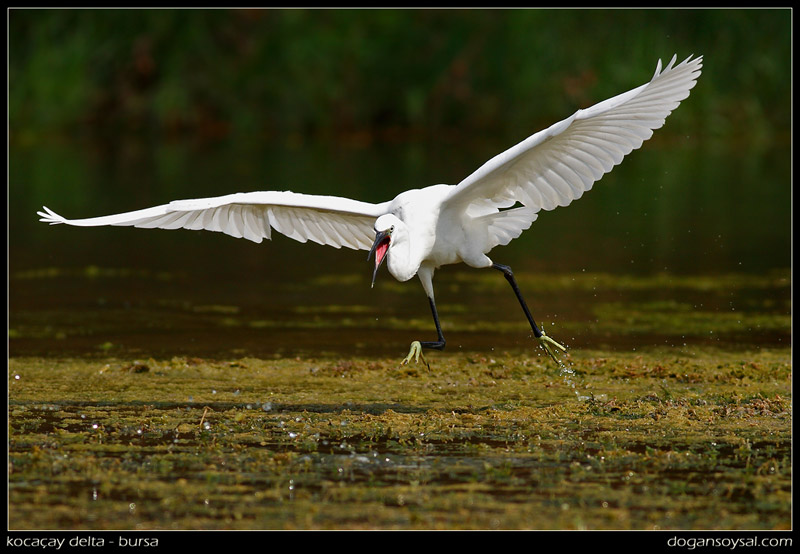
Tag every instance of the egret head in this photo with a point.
(384, 227)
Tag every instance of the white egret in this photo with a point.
(421, 230)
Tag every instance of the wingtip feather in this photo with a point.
(49, 216)
(658, 69)
(698, 62)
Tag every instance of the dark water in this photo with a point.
(678, 206)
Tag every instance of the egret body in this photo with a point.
(421, 230)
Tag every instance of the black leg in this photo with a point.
(510, 278)
(415, 353)
(438, 345)
(544, 341)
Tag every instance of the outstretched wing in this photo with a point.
(557, 165)
(330, 220)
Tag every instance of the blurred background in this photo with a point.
(117, 110)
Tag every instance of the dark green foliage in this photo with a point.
(269, 72)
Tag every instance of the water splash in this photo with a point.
(568, 375)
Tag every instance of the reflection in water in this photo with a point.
(668, 209)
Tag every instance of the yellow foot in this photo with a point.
(547, 343)
(416, 353)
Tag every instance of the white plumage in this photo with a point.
(423, 229)
(330, 220)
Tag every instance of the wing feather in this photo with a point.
(557, 165)
(329, 220)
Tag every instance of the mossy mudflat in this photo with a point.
(670, 438)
